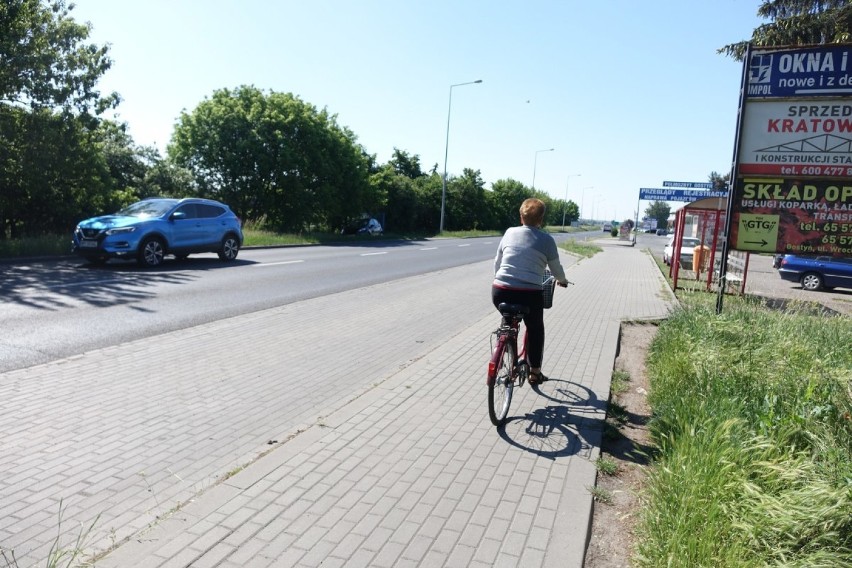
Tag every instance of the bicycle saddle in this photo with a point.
(513, 309)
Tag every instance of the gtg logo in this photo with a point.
(759, 224)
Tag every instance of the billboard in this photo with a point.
(797, 138)
(793, 216)
(793, 181)
(792, 72)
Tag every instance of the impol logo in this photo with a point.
(760, 75)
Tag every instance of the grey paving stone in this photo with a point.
(392, 463)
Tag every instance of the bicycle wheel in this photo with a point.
(500, 393)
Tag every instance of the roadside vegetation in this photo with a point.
(752, 422)
(581, 248)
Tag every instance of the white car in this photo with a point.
(686, 246)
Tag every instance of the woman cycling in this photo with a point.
(522, 257)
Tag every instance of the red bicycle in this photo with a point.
(506, 365)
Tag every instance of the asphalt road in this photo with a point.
(60, 308)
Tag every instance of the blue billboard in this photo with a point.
(819, 71)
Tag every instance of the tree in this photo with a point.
(660, 211)
(52, 171)
(465, 204)
(798, 22)
(50, 168)
(399, 197)
(505, 200)
(273, 156)
(567, 210)
(44, 60)
(405, 164)
(720, 183)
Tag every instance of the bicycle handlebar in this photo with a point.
(550, 279)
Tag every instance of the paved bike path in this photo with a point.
(413, 474)
(404, 470)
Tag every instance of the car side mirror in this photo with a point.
(178, 215)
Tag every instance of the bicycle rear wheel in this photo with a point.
(500, 393)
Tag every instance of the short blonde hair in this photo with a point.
(532, 212)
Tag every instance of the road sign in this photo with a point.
(692, 184)
(687, 195)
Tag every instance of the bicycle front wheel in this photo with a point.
(500, 393)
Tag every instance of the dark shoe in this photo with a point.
(537, 378)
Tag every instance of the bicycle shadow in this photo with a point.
(544, 432)
(561, 429)
(568, 392)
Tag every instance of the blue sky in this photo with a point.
(629, 94)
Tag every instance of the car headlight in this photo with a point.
(120, 230)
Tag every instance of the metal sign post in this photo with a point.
(726, 245)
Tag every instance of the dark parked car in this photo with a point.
(662, 232)
(150, 229)
(816, 273)
(368, 226)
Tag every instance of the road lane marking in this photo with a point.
(465, 245)
(277, 263)
(429, 248)
(372, 253)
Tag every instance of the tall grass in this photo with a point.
(753, 418)
(47, 245)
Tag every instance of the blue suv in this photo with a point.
(150, 229)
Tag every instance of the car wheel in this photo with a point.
(230, 248)
(812, 281)
(151, 252)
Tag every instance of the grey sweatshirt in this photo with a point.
(522, 256)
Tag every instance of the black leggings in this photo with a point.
(534, 320)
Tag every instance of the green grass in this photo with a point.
(48, 245)
(752, 416)
(607, 466)
(581, 248)
(620, 381)
(601, 495)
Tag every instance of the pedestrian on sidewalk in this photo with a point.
(522, 257)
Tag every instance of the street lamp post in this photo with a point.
(535, 163)
(598, 199)
(447, 150)
(565, 207)
(583, 197)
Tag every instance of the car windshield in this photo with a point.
(148, 208)
(689, 242)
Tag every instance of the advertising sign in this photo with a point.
(818, 71)
(793, 216)
(793, 190)
(797, 138)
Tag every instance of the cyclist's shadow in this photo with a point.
(556, 430)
